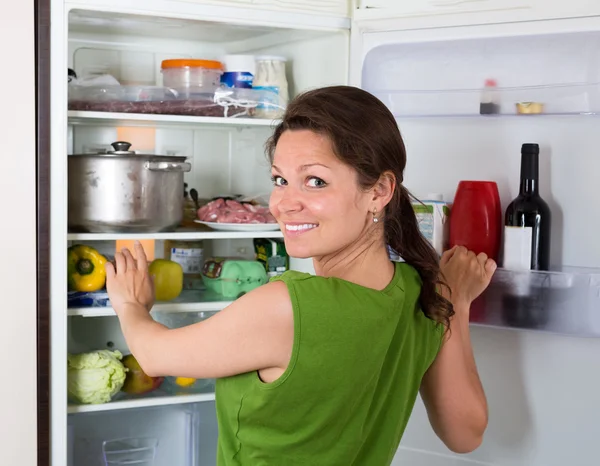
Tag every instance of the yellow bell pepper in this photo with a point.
(85, 269)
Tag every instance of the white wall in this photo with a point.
(18, 429)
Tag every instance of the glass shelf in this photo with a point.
(189, 301)
(555, 99)
(159, 397)
(564, 302)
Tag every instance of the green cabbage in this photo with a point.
(95, 377)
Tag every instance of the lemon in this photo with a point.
(185, 381)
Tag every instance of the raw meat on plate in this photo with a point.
(229, 211)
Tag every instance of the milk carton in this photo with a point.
(433, 218)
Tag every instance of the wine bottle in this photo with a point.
(527, 220)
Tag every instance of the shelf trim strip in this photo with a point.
(205, 235)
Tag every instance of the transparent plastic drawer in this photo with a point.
(565, 301)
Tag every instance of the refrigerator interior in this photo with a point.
(225, 158)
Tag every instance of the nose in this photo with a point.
(286, 200)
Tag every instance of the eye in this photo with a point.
(315, 182)
(278, 180)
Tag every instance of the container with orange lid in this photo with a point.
(191, 76)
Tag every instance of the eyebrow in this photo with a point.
(302, 167)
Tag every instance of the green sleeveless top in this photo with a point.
(345, 398)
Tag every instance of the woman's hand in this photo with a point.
(128, 282)
(466, 274)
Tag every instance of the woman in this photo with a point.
(325, 370)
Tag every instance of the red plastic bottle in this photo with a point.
(476, 223)
(476, 218)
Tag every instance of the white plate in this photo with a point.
(240, 226)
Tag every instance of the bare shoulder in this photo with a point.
(266, 309)
(270, 298)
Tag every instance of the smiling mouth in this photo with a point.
(301, 228)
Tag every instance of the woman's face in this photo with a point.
(316, 199)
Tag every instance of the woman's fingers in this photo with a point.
(120, 263)
(447, 255)
(110, 270)
(129, 259)
(141, 256)
(490, 267)
(482, 258)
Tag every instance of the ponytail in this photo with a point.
(403, 235)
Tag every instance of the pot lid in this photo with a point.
(121, 149)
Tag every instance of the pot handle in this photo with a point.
(168, 166)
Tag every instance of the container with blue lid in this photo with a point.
(239, 71)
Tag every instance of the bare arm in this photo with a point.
(255, 332)
(452, 392)
(451, 389)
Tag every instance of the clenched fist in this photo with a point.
(466, 274)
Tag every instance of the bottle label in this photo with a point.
(189, 259)
(518, 247)
(424, 214)
(239, 79)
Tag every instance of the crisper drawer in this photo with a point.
(334, 7)
(186, 435)
(90, 336)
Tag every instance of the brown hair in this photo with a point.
(364, 135)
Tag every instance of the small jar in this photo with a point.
(190, 255)
(239, 71)
(190, 77)
(270, 77)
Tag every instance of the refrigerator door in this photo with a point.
(432, 79)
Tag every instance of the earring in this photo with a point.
(375, 219)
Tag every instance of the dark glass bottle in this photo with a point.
(528, 219)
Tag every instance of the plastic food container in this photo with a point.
(163, 101)
(130, 451)
(232, 278)
(106, 94)
(271, 76)
(192, 76)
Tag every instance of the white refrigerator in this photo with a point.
(427, 60)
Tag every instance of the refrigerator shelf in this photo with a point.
(524, 101)
(198, 234)
(157, 398)
(189, 301)
(81, 118)
(565, 301)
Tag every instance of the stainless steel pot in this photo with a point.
(121, 191)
